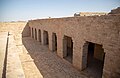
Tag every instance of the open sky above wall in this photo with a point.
(18, 10)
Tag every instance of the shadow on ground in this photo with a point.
(48, 63)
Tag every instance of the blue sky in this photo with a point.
(15, 10)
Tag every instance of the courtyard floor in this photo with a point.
(38, 62)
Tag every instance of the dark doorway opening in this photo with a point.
(95, 60)
(68, 48)
(35, 34)
(46, 38)
(54, 42)
(32, 33)
(39, 32)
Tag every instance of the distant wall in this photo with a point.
(20, 29)
(12, 27)
(90, 14)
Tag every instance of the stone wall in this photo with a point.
(26, 31)
(103, 30)
(90, 13)
(115, 11)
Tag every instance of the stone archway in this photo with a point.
(45, 38)
(54, 42)
(39, 35)
(32, 33)
(68, 48)
(93, 59)
(35, 34)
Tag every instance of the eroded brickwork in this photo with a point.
(103, 30)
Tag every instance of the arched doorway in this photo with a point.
(68, 48)
(32, 33)
(35, 34)
(46, 38)
(54, 42)
(93, 59)
(39, 35)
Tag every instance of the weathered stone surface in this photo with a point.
(39, 62)
(103, 30)
(14, 67)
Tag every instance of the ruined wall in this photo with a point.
(115, 11)
(104, 30)
(90, 14)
